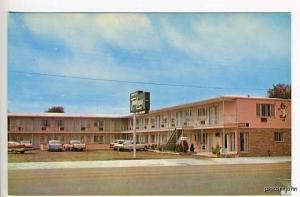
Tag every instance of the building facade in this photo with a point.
(244, 126)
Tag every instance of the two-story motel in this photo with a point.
(244, 126)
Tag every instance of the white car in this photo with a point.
(112, 144)
(128, 145)
(77, 145)
(74, 146)
(16, 147)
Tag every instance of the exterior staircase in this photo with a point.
(171, 143)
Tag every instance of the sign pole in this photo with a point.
(134, 136)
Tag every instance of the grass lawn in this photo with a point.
(95, 155)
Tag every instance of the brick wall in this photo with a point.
(262, 140)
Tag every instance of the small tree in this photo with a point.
(280, 90)
(56, 109)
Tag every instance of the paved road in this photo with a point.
(145, 162)
(230, 179)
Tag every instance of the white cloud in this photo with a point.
(85, 31)
(74, 29)
(133, 31)
(228, 39)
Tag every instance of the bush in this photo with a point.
(162, 147)
(216, 150)
(171, 147)
(192, 148)
(213, 150)
(153, 146)
(185, 146)
(179, 148)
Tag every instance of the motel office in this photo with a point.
(243, 126)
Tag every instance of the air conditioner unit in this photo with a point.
(264, 119)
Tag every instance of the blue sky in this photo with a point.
(231, 50)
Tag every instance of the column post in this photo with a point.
(223, 133)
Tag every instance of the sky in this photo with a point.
(221, 53)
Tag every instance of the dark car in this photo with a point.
(55, 145)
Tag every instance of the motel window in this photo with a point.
(202, 112)
(213, 115)
(45, 123)
(60, 123)
(99, 124)
(244, 142)
(202, 138)
(165, 120)
(188, 113)
(99, 139)
(278, 137)
(265, 110)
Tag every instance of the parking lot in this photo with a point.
(90, 155)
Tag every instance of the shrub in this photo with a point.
(192, 148)
(162, 147)
(214, 150)
(153, 146)
(185, 146)
(179, 148)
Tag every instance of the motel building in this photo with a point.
(241, 126)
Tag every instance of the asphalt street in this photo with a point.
(230, 179)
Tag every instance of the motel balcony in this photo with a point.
(192, 123)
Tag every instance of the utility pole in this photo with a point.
(134, 135)
(223, 141)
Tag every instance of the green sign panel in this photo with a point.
(139, 102)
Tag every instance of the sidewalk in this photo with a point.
(142, 163)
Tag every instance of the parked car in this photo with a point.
(28, 144)
(55, 145)
(77, 145)
(16, 147)
(112, 144)
(128, 145)
(74, 145)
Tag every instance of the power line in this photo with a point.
(138, 82)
